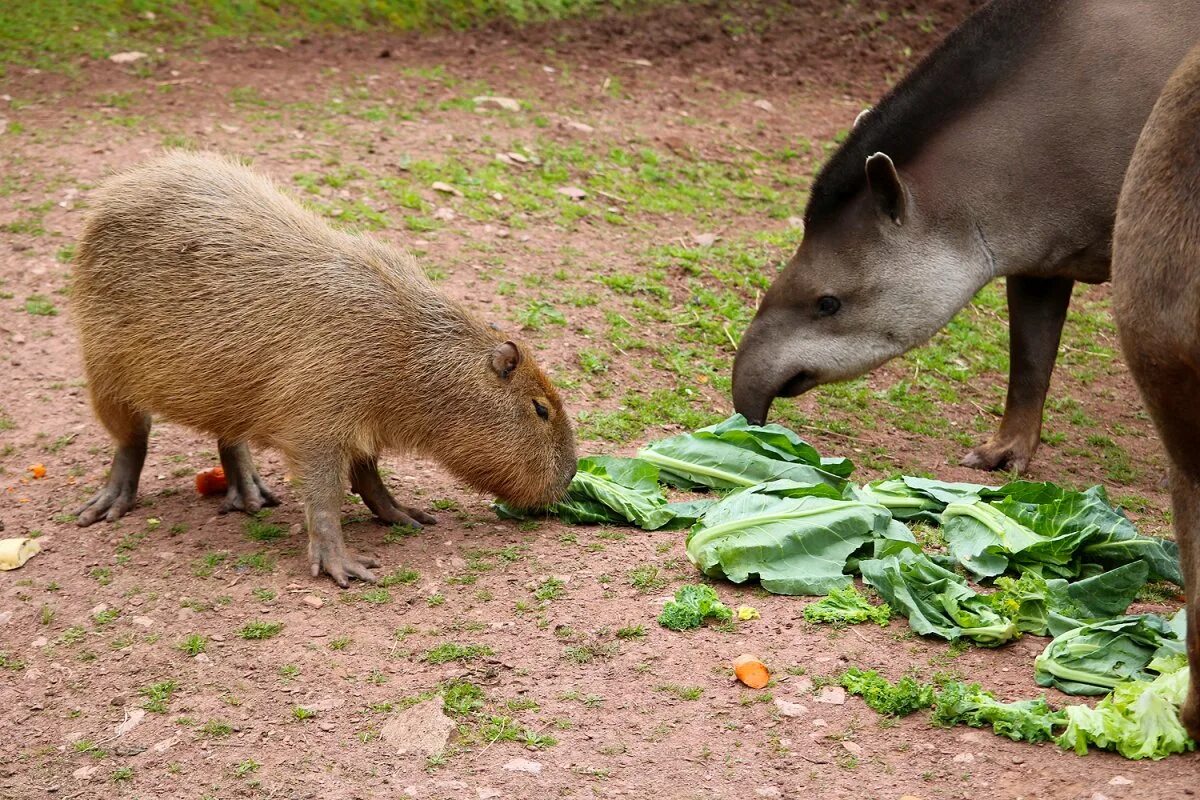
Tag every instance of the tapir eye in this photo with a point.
(541, 410)
(828, 305)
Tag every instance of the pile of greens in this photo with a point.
(1057, 562)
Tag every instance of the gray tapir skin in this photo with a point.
(1002, 154)
(1156, 302)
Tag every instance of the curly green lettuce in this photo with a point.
(846, 607)
(691, 607)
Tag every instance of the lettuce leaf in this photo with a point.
(1022, 720)
(846, 607)
(795, 538)
(1094, 658)
(734, 454)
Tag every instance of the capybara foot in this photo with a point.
(338, 563)
(396, 514)
(999, 455)
(365, 481)
(247, 492)
(110, 503)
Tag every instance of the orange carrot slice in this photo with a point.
(211, 482)
(751, 671)
(38, 471)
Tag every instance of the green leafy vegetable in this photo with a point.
(1092, 659)
(612, 490)
(1023, 720)
(1138, 719)
(1040, 606)
(910, 498)
(903, 697)
(846, 606)
(734, 454)
(691, 607)
(937, 601)
(795, 538)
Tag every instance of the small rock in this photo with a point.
(819, 723)
(802, 685)
(1018, 760)
(972, 737)
(98, 609)
(132, 720)
(423, 728)
(765, 105)
(84, 773)
(519, 158)
(5, 616)
(444, 213)
(327, 727)
(1098, 796)
(523, 765)
(41, 641)
(1120, 780)
(501, 103)
(127, 57)
(582, 127)
(705, 239)
(145, 622)
(833, 695)
(229, 128)
(573, 192)
(488, 793)
(638, 62)
(75, 736)
(445, 188)
(795, 222)
(768, 791)
(165, 745)
(853, 748)
(202, 658)
(788, 709)
(313, 601)
(964, 758)
(217, 637)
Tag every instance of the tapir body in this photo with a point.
(1156, 302)
(1001, 154)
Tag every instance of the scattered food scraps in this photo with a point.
(211, 482)
(38, 471)
(751, 671)
(745, 613)
(15, 552)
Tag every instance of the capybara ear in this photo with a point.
(887, 187)
(505, 359)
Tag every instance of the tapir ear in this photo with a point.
(505, 359)
(887, 188)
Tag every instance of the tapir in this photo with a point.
(1156, 303)
(1001, 154)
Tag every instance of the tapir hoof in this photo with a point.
(999, 456)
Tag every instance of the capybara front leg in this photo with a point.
(366, 482)
(321, 485)
(131, 430)
(247, 491)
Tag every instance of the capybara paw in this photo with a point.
(396, 514)
(999, 456)
(342, 566)
(250, 499)
(110, 503)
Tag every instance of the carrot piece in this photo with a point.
(751, 671)
(38, 471)
(211, 482)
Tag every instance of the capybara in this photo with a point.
(207, 296)
(1156, 302)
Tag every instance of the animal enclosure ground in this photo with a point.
(623, 220)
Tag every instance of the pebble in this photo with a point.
(445, 188)
(853, 748)
(964, 758)
(789, 709)
(133, 719)
(1120, 780)
(764, 105)
(582, 127)
(84, 773)
(501, 103)
(832, 695)
(127, 57)
(768, 791)
(573, 192)
(313, 601)
(145, 622)
(488, 793)
(5, 616)
(523, 765)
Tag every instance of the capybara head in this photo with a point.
(521, 446)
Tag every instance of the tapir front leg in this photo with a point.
(1037, 308)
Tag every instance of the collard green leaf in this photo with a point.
(937, 601)
(1092, 659)
(734, 454)
(794, 538)
(1054, 606)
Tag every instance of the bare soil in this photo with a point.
(625, 713)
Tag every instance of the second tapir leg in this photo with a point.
(321, 475)
(1037, 308)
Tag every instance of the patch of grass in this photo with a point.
(647, 578)
(462, 697)
(122, 774)
(378, 595)
(10, 662)
(549, 589)
(39, 306)
(264, 595)
(259, 530)
(632, 632)
(194, 644)
(246, 767)
(300, 713)
(158, 695)
(452, 651)
(216, 729)
(260, 563)
(260, 630)
(340, 643)
(399, 576)
(682, 692)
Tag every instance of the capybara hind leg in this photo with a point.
(247, 491)
(131, 430)
(321, 485)
(367, 484)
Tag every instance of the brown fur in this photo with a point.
(1156, 293)
(207, 296)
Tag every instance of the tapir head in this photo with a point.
(874, 277)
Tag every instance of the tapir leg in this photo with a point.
(1170, 386)
(1037, 308)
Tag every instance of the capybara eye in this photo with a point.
(541, 410)
(828, 305)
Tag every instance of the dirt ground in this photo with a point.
(694, 132)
